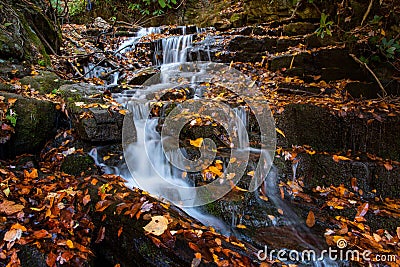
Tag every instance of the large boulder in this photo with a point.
(94, 123)
(45, 82)
(36, 124)
(28, 32)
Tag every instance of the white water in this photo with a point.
(130, 44)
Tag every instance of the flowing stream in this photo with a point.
(150, 159)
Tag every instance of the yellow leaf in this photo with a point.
(70, 244)
(106, 158)
(232, 160)
(197, 142)
(157, 226)
(280, 132)
(241, 226)
(264, 198)
(251, 173)
(122, 111)
(215, 170)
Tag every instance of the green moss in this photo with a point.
(76, 164)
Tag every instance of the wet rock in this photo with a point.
(331, 64)
(301, 124)
(45, 82)
(10, 70)
(367, 90)
(76, 164)
(103, 126)
(322, 170)
(222, 25)
(100, 125)
(298, 28)
(142, 75)
(36, 124)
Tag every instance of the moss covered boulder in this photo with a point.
(45, 82)
(35, 124)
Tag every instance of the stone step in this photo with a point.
(330, 63)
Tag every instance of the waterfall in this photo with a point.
(130, 44)
(175, 48)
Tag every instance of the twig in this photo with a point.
(367, 13)
(372, 73)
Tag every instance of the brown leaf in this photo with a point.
(86, 199)
(102, 205)
(388, 166)
(41, 234)
(101, 235)
(310, 219)
(398, 232)
(120, 231)
(51, 259)
(9, 207)
(362, 210)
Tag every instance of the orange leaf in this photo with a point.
(310, 219)
(120, 231)
(51, 259)
(102, 205)
(398, 232)
(388, 166)
(41, 234)
(9, 207)
(31, 175)
(337, 158)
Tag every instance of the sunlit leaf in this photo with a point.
(157, 226)
(197, 142)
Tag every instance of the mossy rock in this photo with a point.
(45, 82)
(77, 164)
(36, 124)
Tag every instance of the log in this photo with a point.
(121, 238)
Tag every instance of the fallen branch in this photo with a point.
(367, 12)
(372, 73)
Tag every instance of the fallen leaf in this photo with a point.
(86, 199)
(280, 132)
(337, 158)
(102, 205)
(241, 226)
(51, 259)
(120, 231)
(31, 175)
(157, 226)
(310, 219)
(388, 166)
(12, 235)
(9, 207)
(70, 244)
(197, 142)
(101, 235)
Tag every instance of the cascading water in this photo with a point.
(152, 162)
